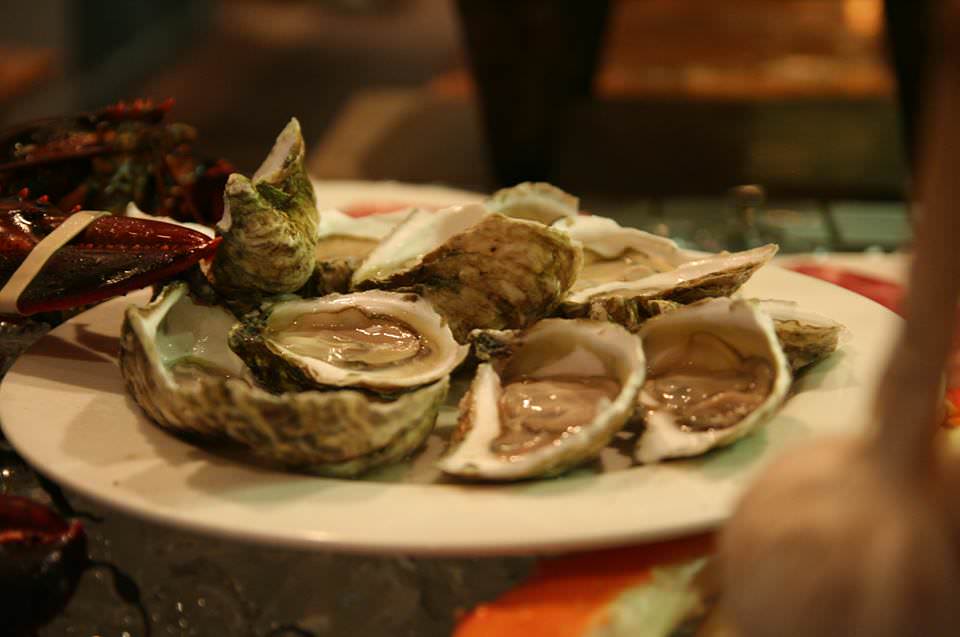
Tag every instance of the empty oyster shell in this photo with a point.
(715, 372)
(629, 302)
(806, 337)
(551, 398)
(176, 364)
(479, 269)
(535, 201)
(269, 226)
(382, 341)
(343, 242)
(612, 252)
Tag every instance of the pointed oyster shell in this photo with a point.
(376, 340)
(176, 364)
(631, 303)
(480, 270)
(534, 201)
(269, 226)
(585, 358)
(727, 349)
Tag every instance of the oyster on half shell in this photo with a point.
(612, 252)
(715, 372)
(375, 340)
(176, 364)
(550, 397)
(630, 303)
(480, 270)
(806, 337)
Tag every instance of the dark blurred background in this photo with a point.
(646, 107)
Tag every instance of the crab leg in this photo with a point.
(110, 257)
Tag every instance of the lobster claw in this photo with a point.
(41, 558)
(111, 256)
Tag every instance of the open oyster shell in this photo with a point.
(480, 270)
(269, 226)
(176, 364)
(806, 337)
(535, 201)
(630, 303)
(343, 242)
(715, 372)
(612, 252)
(551, 397)
(376, 340)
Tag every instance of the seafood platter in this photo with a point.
(290, 361)
(328, 344)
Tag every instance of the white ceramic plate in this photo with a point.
(63, 406)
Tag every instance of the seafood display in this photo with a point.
(328, 343)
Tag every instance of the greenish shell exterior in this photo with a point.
(335, 433)
(270, 227)
(502, 273)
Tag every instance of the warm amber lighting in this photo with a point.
(863, 17)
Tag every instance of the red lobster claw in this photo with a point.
(110, 257)
(41, 558)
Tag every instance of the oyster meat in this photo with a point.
(612, 252)
(376, 340)
(630, 303)
(550, 397)
(536, 201)
(715, 372)
(177, 365)
(480, 270)
(269, 227)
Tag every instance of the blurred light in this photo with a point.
(863, 17)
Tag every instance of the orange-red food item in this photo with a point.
(565, 594)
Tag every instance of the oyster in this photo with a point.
(480, 270)
(715, 372)
(551, 397)
(382, 341)
(806, 337)
(612, 252)
(177, 365)
(630, 302)
(535, 201)
(343, 242)
(269, 226)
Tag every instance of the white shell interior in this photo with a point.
(609, 239)
(743, 326)
(551, 347)
(540, 202)
(688, 271)
(446, 354)
(420, 233)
